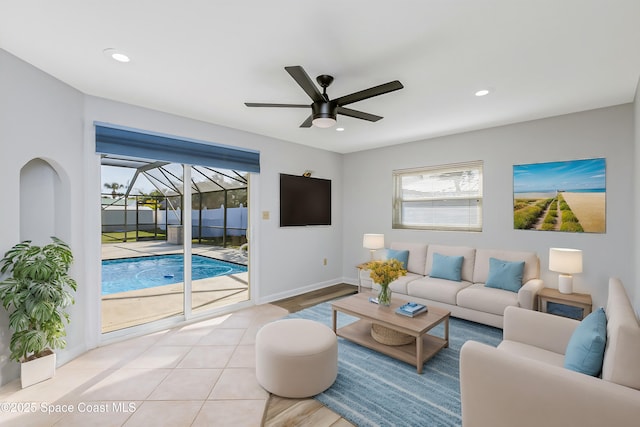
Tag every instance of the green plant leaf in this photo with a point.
(42, 311)
(36, 294)
(19, 321)
(35, 342)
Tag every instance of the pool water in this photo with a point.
(121, 275)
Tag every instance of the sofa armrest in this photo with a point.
(528, 294)
(538, 329)
(499, 389)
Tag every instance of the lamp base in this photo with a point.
(565, 284)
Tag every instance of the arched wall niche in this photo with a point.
(45, 203)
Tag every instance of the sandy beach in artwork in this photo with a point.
(589, 208)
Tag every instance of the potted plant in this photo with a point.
(36, 294)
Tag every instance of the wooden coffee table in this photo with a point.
(426, 345)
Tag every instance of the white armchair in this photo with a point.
(523, 382)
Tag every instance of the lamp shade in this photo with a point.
(373, 241)
(566, 261)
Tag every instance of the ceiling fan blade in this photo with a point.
(369, 93)
(259, 104)
(302, 78)
(307, 123)
(358, 114)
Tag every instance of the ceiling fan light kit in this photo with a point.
(324, 114)
(323, 122)
(324, 110)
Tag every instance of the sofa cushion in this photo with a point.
(400, 284)
(623, 339)
(417, 255)
(489, 300)
(585, 349)
(466, 272)
(400, 255)
(446, 267)
(431, 288)
(481, 266)
(505, 275)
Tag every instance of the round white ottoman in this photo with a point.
(296, 357)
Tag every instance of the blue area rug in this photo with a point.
(375, 390)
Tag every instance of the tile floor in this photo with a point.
(201, 374)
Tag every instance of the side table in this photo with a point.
(575, 306)
(360, 267)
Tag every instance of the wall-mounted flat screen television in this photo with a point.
(304, 201)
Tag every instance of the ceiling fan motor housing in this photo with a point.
(324, 109)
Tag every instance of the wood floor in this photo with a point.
(283, 412)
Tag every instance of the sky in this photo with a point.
(123, 176)
(573, 175)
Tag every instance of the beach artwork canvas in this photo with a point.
(560, 196)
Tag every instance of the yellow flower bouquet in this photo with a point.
(383, 273)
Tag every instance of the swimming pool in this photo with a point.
(120, 275)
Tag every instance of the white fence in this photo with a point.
(113, 219)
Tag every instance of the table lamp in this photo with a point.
(566, 262)
(373, 242)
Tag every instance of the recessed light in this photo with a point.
(116, 55)
(482, 92)
(339, 129)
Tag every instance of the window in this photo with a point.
(445, 197)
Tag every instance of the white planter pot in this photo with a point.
(37, 370)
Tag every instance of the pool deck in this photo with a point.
(126, 309)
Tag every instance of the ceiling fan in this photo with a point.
(325, 110)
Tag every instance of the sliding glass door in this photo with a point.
(219, 220)
(174, 226)
(164, 258)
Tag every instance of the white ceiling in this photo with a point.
(204, 58)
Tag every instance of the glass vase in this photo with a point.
(384, 296)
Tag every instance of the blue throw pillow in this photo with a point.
(585, 351)
(447, 267)
(505, 274)
(402, 256)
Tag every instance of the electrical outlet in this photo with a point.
(265, 214)
(324, 262)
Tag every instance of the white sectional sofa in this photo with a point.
(468, 298)
(524, 382)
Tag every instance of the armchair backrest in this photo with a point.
(622, 350)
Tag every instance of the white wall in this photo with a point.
(37, 199)
(41, 118)
(604, 133)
